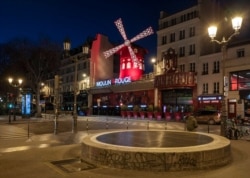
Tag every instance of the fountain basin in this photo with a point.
(154, 150)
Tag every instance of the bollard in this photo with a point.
(107, 123)
(9, 119)
(127, 123)
(87, 125)
(208, 128)
(166, 123)
(148, 126)
(28, 129)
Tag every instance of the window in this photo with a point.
(192, 49)
(182, 35)
(164, 40)
(239, 80)
(172, 37)
(182, 68)
(165, 24)
(85, 49)
(191, 31)
(182, 51)
(129, 64)
(205, 88)
(84, 65)
(192, 15)
(216, 68)
(205, 69)
(192, 67)
(240, 53)
(173, 21)
(183, 18)
(216, 87)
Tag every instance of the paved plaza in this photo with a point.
(49, 155)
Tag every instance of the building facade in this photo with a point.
(186, 33)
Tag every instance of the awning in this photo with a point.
(100, 90)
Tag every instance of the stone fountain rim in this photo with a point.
(218, 142)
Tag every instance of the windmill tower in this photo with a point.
(131, 57)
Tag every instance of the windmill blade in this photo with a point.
(147, 32)
(120, 27)
(132, 54)
(112, 51)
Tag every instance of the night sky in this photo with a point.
(78, 19)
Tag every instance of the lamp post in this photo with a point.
(212, 30)
(74, 121)
(15, 84)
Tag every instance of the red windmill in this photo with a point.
(131, 58)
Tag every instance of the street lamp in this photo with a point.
(15, 84)
(212, 30)
(74, 121)
(153, 60)
(85, 81)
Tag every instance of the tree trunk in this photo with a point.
(38, 107)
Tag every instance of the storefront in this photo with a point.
(108, 96)
(177, 102)
(81, 102)
(240, 81)
(210, 102)
(177, 92)
(245, 97)
(110, 103)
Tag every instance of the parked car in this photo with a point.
(208, 116)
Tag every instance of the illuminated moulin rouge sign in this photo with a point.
(115, 81)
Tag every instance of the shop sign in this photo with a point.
(209, 98)
(115, 81)
(175, 79)
(103, 83)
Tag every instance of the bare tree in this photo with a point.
(36, 61)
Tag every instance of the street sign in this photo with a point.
(226, 88)
(226, 81)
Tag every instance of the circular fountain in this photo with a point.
(154, 150)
